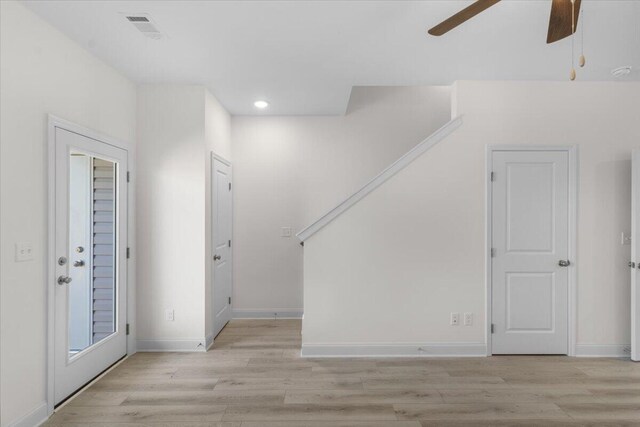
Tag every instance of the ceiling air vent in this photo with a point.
(138, 18)
(145, 25)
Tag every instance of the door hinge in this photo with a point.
(229, 186)
(127, 329)
(493, 252)
(493, 176)
(229, 243)
(229, 300)
(493, 328)
(128, 252)
(128, 176)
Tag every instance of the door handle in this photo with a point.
(632, 264)
(78, 263)
(64, 280)
(216, 257)
(564, 263)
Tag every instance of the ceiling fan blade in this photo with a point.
(462, 16)
(560, 19)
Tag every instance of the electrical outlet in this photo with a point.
(169, 315)
(285, 232)
(455, 319)
(24, 251)
(468, 319)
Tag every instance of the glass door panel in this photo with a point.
(92, 239)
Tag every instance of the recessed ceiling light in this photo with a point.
(621, 71)
(261, 104)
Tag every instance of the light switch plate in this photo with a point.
(625, 239)
(285, 232)
(24, 251)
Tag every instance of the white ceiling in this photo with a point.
(304, 56)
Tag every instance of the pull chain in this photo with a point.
(572, 74)
(582, 60)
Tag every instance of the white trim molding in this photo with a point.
(181, 345)
(603, 350)
(573, 233)
(209, 342)
(451, 349)
(275, 313)
(36, 417)
(383, 176)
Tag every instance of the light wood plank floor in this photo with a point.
(254, 377)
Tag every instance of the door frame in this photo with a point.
(54, 122)
(635, 238)
(572, 151)
(221, 159)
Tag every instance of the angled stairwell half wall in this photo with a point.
(382, 277)
(289, 170)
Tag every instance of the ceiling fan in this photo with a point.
(560, 25)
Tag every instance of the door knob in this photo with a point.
(64, 280)
(564, 263)
(78, 263)
(216, 257)
(632, 264)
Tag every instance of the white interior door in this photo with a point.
(90, 260)
(635, 257)
(222, 256)
(530, 241)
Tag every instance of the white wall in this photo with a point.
(391, 269)
(41, 72)
(290, 170)
(178, 127)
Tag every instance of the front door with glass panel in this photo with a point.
(90, 259)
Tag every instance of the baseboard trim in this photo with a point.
(34, 418)
(275, 313)
(209, 341)
(603, 350)
(186, 345)
(395, 350)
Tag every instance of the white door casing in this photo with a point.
(72, 369)
(530, 235)
(222, 253)
(635, 256)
